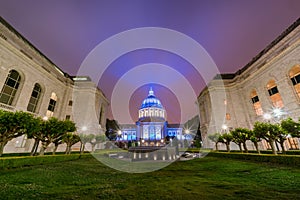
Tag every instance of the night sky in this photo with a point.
(231, 31)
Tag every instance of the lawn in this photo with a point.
(205, 178)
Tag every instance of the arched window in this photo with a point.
(274, 94)
(228, 116)
(34, 99)
(51, 105)
(256, 104)
(10, 87)
(295, 78)
(101, 114)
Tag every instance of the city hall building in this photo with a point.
(268, 84)
(30, 82)
(152, 128)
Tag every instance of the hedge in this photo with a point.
(19, 154)
(289, 152)
(290, 160)
(24, 161)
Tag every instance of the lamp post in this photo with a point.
(267, 116)
(84, 128)
(224, 128)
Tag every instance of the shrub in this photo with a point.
(291, 160)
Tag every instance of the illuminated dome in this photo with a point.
(151, 101)
(151, 108)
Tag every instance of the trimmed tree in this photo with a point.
(216, 138)
(70, 139)
(84, 139)
(255, 139)
(291, 127)
(15, 124)
(53, 129)
(236, 139)
(96, 140)
(282, 137)
(267, 131)
(240, 137)
(68, 126)
(226, 138)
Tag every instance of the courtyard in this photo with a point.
(204, 178)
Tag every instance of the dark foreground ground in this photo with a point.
(205, 178)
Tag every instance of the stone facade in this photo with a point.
(264, 84)
(76, 98)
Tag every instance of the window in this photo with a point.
(101, 114)
(34, 99)
(273, 91)
(274, 94)
(10, 87)
(70, 103)
(228, 117)
(68, 117)
(51, 105)
(295, 78)
(256, 104)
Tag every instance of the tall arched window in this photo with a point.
(51, 105)
(274, 94)
(256, 104)
(10, 87)
(295, 78)
(34, 99)
(101, 114)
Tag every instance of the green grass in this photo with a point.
(206, 178)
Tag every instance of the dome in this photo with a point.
(151, 101)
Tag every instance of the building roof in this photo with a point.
(263, 52)
(14, 31)
(151, 101)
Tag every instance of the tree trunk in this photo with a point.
(245, 147)
(272, 144)
(68, 148)
(82, 148)
(240, 146)
(43, 148)
(217, 147)
(282, 147)
(93, 147)
(228, 147)
(42, 151)
(256, 147)
(2, 145)
(35, 146)
(54, 149)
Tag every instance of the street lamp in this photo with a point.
(224, 128)
(187, 131)
(267, 116)
(45, 118)
(84, 128)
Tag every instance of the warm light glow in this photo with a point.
(84, 128)
(277, 112)
(224, 126)
(187, 131)
(267, 116)
(119, 132)
(45, 118)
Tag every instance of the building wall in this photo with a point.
(274, 62)
(16, 53)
